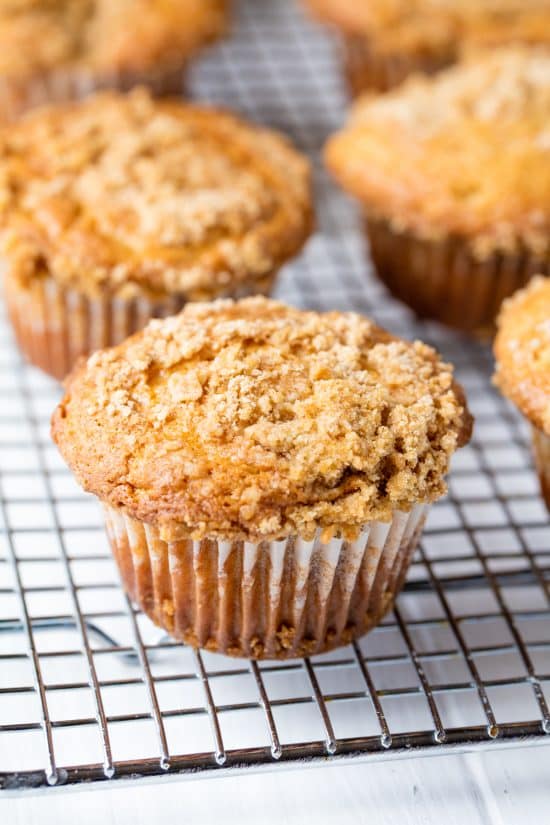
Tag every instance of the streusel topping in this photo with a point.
(124, 193)
(104, 36)
(522, 350)
(467, 151)
(440, 26)
(251, 419)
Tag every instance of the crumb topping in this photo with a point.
(38, 36)
(253, 420)
(465, 152)
(439, 27)
(124, 193)
(522, 350)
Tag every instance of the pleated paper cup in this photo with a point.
(541, 449)
(272, 600)
(444, 281)
(55, 326)
(369, 69)
(60, 86)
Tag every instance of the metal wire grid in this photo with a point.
(89, 689)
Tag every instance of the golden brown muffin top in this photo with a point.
(254, 420)
(522, 350)
(465, 152)
(122, 193)
(103, 36)
(439, 27)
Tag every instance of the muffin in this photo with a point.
(453, 174)
(56, 50)
(119, 208)
(384, 42)
(522, 351)
(265, 471)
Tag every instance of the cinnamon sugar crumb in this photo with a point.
(125, 195)
(463, 152)
(522, 350)
(274, 422)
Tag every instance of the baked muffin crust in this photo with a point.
(439, 27)
(252, 420)
(103, 36)
(522, 350)
(124, 194)
(466, 152)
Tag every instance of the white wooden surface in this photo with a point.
(493, 788)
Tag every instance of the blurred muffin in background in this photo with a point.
(453, 174)
(120, 207)
(384, 41)
(265, 472)
(522, 351)
(53, 50)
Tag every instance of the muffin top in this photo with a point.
(522, 350)
(466, 152)
(103, 36)
(252, 420)
(124, 194)
(439, 27)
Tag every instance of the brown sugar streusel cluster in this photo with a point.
(307, 421)
(522, 351)
(522, 348)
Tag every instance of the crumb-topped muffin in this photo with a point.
(52, 50)
(119, 208)
(522, 351)
(384, 42)
(453, 173)
(265, 471)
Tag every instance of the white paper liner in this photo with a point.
(444, 281)
(541, 449)
(55, 326)
(278, 599)
(367, 68)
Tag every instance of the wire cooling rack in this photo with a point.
(89, 689)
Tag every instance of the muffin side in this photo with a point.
(278, 464)
(369, 68)
(121, 207)
(522, 352)
(453, 174)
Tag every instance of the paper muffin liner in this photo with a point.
(55, 326)
(541, 450)
(368, 69)
(272, 600)
(61, 85)
(444, 281)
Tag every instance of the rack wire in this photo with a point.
(90, 690)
